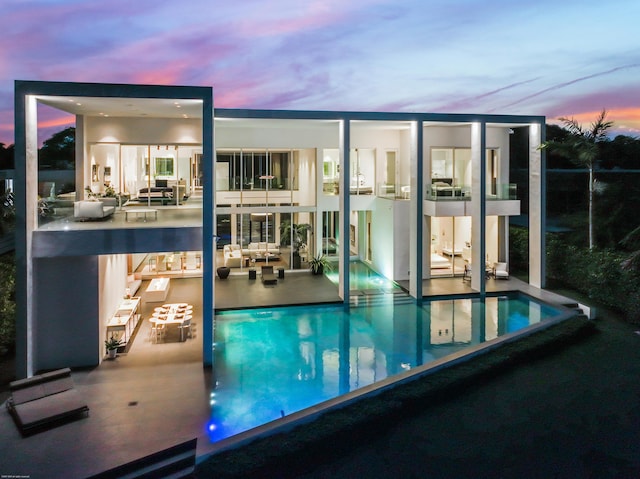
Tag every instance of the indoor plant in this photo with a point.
(112, 344)
(295, 235)
(319, 263)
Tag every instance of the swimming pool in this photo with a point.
(273, 362)
(363, 278)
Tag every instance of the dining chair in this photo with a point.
(186, 324)
(157, 330)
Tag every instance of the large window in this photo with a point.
(451, 173)
(254, 170)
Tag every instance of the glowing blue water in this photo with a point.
(272, 362)
(363, 278)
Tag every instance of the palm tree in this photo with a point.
(581, 146)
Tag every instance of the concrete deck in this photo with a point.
(157, 395)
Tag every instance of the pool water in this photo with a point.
(363, 278)
(272, 362)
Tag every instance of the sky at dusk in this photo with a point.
(553, 58)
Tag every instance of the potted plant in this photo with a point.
(112, 344)
(319, 263)
(295, 235)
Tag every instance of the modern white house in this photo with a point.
(163, 182)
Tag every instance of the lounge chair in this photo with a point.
(500, 271)
(45, 400)
(467, 272)
(267, 275)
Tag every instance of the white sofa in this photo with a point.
(89, 209)
(232, 255)
(262, 247)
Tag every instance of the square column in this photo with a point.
(537, 207)
(26, 191)
(416, 213)
(345, 210)
(478, 205)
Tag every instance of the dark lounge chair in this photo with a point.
(267, 275)
(44, 400)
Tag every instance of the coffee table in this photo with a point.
(259, 256)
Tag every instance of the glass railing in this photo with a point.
(445, 192)
(65, 213)
(503, 191)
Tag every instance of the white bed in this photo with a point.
(451, 252)
(439, 262)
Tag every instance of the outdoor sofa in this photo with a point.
(44, 400)
(93, 209)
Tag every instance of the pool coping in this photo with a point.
(310, 414)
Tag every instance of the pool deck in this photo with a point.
(141, 403)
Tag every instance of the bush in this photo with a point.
(595, 273)
(7, 301)
(518, 250)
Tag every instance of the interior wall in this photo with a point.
(492, 239)
(383, 253)
(306, 177)
(230, 136)
(401, 257)
(143, 130)
(67, 321)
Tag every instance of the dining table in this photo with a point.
(173, 313)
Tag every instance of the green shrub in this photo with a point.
(7, 301)
(595, 273)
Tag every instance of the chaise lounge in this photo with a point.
(44, 400)
(267, 275)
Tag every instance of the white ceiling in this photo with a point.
(126, 107)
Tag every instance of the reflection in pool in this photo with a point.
(273, 362)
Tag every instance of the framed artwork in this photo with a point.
(164, 166)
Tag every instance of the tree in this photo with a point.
(6, 157)
(58, 152)
(299, 234)
(582, 147)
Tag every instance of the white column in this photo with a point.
(537, 218)
(345, 209)
(478, 205)
(416, 215)
(26, 190)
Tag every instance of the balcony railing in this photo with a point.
(502, 191)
